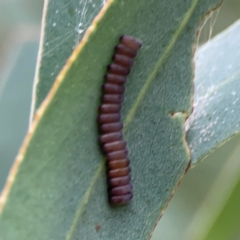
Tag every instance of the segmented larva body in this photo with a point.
(114, 147)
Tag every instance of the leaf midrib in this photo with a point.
(84, 201)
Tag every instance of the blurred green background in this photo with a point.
(194, 204)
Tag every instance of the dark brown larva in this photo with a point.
(107, 118)
(117, 155)
(115, 146)
(118, 70)
(110, 125)
(110, 137)
(118, 164)
(123, 61)
(123, 50)
(112, 98)
(109, 108)
(116, 79)
(113, 88)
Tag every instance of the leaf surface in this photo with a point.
(215, 120)
(216, 116)
(64, 24)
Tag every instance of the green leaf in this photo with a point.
(216, 114)
(211, 187)
(58, 184)
(65, 23)
(217, 119)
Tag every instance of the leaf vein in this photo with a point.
(132, 112)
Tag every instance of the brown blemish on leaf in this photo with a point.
(97, 227)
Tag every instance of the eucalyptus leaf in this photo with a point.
(57, 187)
(216, 116)
(64, 22)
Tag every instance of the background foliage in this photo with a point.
(18, 46)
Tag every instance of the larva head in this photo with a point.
(131, 42)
